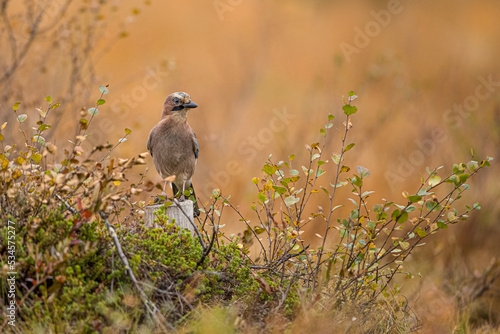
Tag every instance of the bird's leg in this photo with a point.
(161, 198)
(183, 188)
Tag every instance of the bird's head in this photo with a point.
(178, 104)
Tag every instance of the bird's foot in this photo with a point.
(160, 198)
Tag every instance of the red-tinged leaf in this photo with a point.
(85, 214)
(264, 285)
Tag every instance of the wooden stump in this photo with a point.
(173, 212)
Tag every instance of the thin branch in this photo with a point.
(151, 307)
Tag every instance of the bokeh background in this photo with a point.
(265, 76)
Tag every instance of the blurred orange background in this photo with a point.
(266, 75)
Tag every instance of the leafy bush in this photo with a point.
(86, 263)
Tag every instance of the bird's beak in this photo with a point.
(190, 105)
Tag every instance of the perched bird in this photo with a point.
(173, 145)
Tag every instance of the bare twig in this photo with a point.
(151, 307)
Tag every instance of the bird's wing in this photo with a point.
(149, 145)
(196, 147)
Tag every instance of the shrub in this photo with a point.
(85, 262)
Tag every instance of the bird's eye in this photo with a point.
(176, 100)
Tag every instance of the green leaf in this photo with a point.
(421, 233)
(323, 132)
(378, 208)
(36, 157)
(395, 214)
(434, 180)
(320, 162)
(363, 172)
(432, 206)
(21, 118)
(472, 166)
(331, 117)
(453, 179)
(325, 190)
(366, 193)
(103, 90)
(403, 217)
(15, 106)
(351, 93)
(93, 111)
(55, 105)
(320, 172)
(357, 181)
(339, 184)
(38, 139)
(128, 131)
(48, 99)
(349, 110)
(337, 206)
(463, 178)
(44, 127)
(100, 102)
(442, 225)
(414, 198)
(269, 169)
(411, 208)
(259, 230)
(261, 197)
(291, 200)
(255, 180)
(336, 158)
(348, 147)
(423, 192)
(404, 244)
(291, 157)
(279, 190)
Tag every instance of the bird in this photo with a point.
(173, 145)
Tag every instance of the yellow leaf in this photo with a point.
(19, 160)
(16, 174)
(36, 157)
